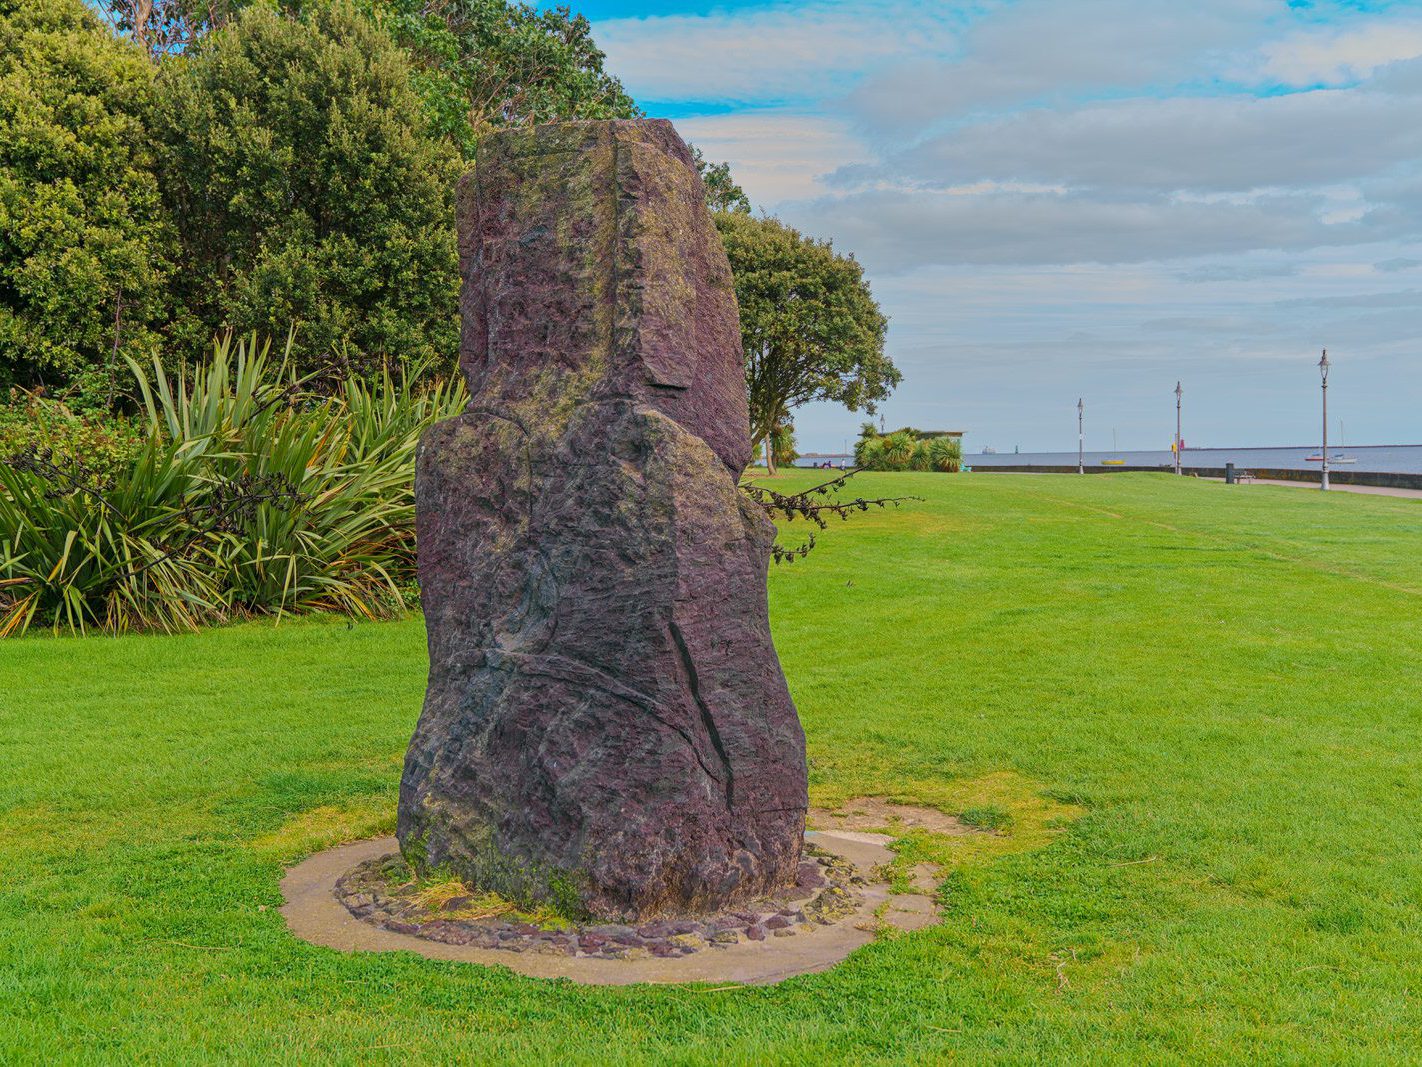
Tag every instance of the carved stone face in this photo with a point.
(606, 725)
(588, 256)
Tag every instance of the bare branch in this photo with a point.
(813, 505)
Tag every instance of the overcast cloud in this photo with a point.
(1057, 198)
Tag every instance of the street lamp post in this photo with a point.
(1323, 366)
(1080, 437)
(1178, 393)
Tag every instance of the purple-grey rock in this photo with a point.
(612, 930)
(809, 876)
(606, 721)
(449, 933)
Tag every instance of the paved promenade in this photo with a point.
(1376, 490)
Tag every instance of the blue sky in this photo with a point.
(1063, 198)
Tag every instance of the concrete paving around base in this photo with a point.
(314, 914)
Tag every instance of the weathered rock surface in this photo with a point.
(606, 721)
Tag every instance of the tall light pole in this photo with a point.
(1323, 366)
(1080, 437)
(1178, 393)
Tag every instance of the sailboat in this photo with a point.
(1114, 461)
(1337, 457)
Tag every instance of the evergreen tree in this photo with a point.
(308, 190)
(84, 244)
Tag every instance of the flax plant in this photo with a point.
(253, 494)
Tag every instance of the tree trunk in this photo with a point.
(769, 455)
(142, 11)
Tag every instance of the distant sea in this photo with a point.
(1393, 459)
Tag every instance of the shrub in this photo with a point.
(307, 189)
(944, 454)
(102, 443)
(898, 450)
(249, 495)
(84, 241)
(906, 450)
(869, 454)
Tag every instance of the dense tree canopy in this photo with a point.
(83, 244)
(306, 190)
(482, 64)
(308, 153)
(478, 64)
(810, 325)
(278, 165)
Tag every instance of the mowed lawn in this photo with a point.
(1200, 707)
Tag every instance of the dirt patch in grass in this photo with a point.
(880, 813)
(992, 816)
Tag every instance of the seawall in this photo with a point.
(1341, 477)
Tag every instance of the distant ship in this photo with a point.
(989, 451)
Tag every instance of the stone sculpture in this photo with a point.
(607, 726)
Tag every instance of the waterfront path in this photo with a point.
(1376, 490)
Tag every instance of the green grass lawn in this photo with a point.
(1197, 706)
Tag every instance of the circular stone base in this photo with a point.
(315, 913)
(382, 892)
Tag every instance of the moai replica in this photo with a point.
(607, 726)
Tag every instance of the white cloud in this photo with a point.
(775, 155)
(1338, 56)
(904, 230)
(1213, 144)
(775, 53)
(1042, 49)
(1064, 197)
